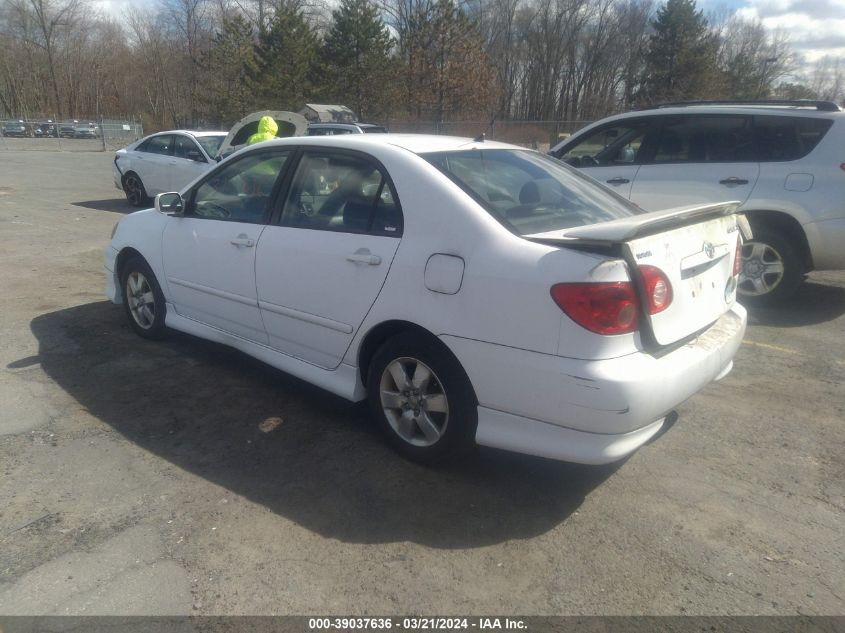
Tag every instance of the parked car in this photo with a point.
(782, 160)
(164, 162)
(330, 129)
(471, 291)
(47, 130)
(16, 129)
(86, 130)
(68, 130)
(169, 161)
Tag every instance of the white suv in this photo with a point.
(783, 160)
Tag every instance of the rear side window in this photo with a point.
(162, 144)
(708, 139)
(782, 138)
(342, 192)
(528, 192)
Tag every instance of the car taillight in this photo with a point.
(738, 256)
(603, 308)
(658, 289)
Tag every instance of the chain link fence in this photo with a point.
(80, 134)
(97, 134)
(539, 135)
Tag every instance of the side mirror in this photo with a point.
(170, 204)
(195, 156)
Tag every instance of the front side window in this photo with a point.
(242, 190)
(162, 144)
(782, 138)
(183, 147)
(707, 139)
(342, 192)
(528, 192)
(615, 145)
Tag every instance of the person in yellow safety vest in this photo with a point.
(267, 129)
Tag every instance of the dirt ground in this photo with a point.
(183, 477)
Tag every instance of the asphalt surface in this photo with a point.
(183, 477)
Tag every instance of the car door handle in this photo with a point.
(618, 181)
(243, 240)
(363, 256)
(733, 180)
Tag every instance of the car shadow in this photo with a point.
(115, 205)
(305, 454)
(812, 303)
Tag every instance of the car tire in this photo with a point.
(136, 195)
(771, 269)
(143, 300)
(422, 399)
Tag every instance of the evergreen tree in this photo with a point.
(282, 76)
(447, 69)
(226, 65)
(681, 59)
(358, 70)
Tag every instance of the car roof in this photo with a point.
(195, 133)
(416, 143)
(344, 125)
(774, 110)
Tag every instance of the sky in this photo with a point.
(815, 27)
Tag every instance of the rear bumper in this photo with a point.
(532, 437)
(589, 411)
(826, 239)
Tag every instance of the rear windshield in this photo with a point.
(528, 192)
(211, 144)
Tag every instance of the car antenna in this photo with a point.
(480, 138)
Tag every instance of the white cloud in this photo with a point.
(815, 27)
(117, 8)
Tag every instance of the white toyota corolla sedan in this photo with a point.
(472, 292)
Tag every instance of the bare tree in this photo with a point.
(43, 23)
(827, 78)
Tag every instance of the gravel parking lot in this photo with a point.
(183, 477)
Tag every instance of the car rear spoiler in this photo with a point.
(636, 226)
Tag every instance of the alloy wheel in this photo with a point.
(414, 401)
(141, 300)
(134, 190)
(762, 269)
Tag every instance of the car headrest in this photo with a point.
(529, 193)
(356, 213)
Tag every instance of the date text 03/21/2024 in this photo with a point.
(416, 623)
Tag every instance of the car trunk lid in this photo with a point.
(694, 247)
(288, 123)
